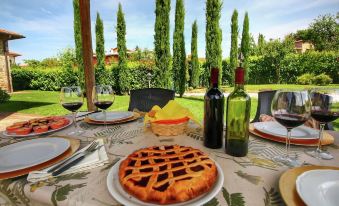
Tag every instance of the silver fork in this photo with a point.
(93, 144)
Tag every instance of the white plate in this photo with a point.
(319, 187)
(118, 193)
(29, 153)
(35, 134)
(111, 116)
(276, 129)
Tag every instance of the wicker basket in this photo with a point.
(169, 129)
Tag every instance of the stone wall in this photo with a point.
(3, 70)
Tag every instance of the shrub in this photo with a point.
(305, 79)
(322, 79)
(4, 96)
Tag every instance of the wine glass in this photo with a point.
(325, 109)
(103, 97)
(71, 98)
(290, 108)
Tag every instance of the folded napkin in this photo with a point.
(95, 159)
(171, 111)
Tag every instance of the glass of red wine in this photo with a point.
(103, 97)
(71, 98)
(290, 108)
(325, 109)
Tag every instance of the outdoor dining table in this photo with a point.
(251, 180)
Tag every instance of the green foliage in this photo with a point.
(261, 44)
(61, 193)
(305, 79)
(32, 62)
(162, 72)
(4, 96)
(213, 202)
(245, 43)
(78, 43)
(50, 62)
(322, 79)
(195, 74)
(179, 53)
(100, 42)
(234, 199)
(67, 58)
(234, 44)
(213, 36)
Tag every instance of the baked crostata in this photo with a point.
(167, 174)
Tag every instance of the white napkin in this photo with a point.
(95, 159)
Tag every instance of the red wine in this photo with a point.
(103, 104)
(324, 116)
(290, 120)
(72, 106)
(237, 117)
(214, 102)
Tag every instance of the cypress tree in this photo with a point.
(100, 43)
(179, 53)
(162, 73)
(78, 43)
(261, 43)
(234, 44)
(122, 50)
(213, 36)
(194, 56)
(245, 43)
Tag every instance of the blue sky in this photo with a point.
(48, 25)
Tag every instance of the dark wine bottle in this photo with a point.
(214, 103)
(237, 117)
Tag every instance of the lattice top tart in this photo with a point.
(167, 174)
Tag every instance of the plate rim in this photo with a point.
(68, 145)
(210, 195)
(302, 177)
(255, 125)
(32, 134)
(117, 119)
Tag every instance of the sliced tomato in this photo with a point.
(66, 121)
(40, 129)
(21, 123)
(23, 131)
(57, 124)
(11, 129)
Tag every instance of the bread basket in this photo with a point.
(169, 127)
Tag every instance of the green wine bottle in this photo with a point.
(237, 117)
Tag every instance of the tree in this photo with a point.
(100, 43)
(194, 56)
(245, 44)
(324, 32)
(179, 53)
(122, 50)
(162, 73)
(234, 43)
(67, 58)
(213, 36)
(78, 42)
(261, 44)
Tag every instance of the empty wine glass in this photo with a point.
(290, 109)
(71, 98)
(325, 109)
(103, 97)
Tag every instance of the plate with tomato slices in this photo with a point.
(37, 126)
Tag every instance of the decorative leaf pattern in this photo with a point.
(251, 178)
(12, 191)
(213, 202)
(272, 198)
(196, 136)
(234, 199)
(108, 132)
(61, 192)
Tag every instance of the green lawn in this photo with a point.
(47, 103)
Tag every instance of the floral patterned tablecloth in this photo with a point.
(251, 180)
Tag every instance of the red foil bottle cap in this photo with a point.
(214, 75)
(239, 75)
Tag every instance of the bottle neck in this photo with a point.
(214, 77)
(239, 87)
(239, 78)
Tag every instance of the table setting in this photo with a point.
(166, 156)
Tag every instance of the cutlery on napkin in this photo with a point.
(95, 159)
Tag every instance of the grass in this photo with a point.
(256, 88)
(47, 103)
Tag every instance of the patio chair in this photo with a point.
(264, 106)
(144, 99)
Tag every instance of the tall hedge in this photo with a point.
(234, 44)
(213, 36)
(245, 43)
(122, 50)
(261, 44)
(194, 56)
(78, 43)
(179, 53)
(162, 74)
(100, 42)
